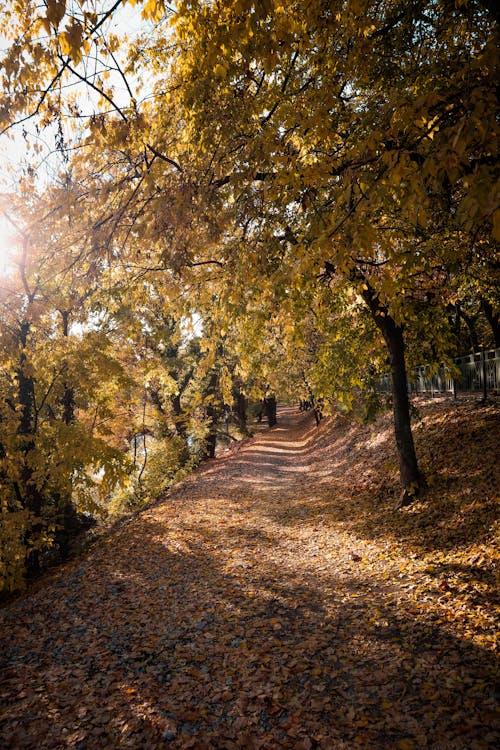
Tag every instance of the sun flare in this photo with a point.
(7, 243)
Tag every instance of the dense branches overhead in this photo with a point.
(267, 193)
(310, 117)
(359, 137)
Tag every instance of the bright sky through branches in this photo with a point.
(26, 147)
(7, 244)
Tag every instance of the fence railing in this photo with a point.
(477, 372)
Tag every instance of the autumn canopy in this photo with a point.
(219, 202)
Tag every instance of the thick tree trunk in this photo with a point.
(493, 319)
(180, 420)
(408, 465)
(68, 399)
(241, 410)
(68, 402)
(410, 477)
(31, 498)
(180, 425)
(470, 321)
(211, 439)
(270, 409)
(26, 390)
(212, 415)
(65, 510)
(260, 412)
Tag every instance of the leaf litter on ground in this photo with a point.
(275, 600)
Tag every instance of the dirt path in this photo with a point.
(247, 610)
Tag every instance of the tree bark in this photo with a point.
(212, 415)
(270, 409)
(31, 497)
(68, 399)
(211, 439)
(470, 321)
(493, 319)
(241, 410)
(175, 400)
(408, 465)
(65, 510)
(410, 477)
(180, 425)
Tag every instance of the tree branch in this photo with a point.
(164, 158)
(89, 83)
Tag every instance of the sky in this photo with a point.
(13, 152)
(6, 243)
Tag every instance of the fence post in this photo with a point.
(497, 370)
(485, 376)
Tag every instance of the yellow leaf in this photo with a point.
(71, 41)
(55, 12)
(405, 744)
(153, 10)
(220, 71)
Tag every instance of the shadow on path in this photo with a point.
(217, 619)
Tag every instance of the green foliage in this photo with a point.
(159, 463)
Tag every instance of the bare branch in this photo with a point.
(164, 158)
(102, 93)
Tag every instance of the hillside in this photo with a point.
(275, 600)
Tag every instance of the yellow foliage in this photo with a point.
(55, 12)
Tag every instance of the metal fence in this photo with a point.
(474, 372)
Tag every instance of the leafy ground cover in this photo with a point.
(275, 600)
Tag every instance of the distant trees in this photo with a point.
(107, 392)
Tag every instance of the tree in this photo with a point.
(353, 141)
(58, 382)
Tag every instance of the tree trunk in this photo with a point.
(31, 497)
(316, 407)
(270, 409)
(68, 399)
(241, 409)
(410, 477)
(65, 511)
(68, 402)
(211, 439)
(408, 466)
(180, 425)
(26, 390)
(470, 321)
(260, 411)
(212, 414)
(493, 319)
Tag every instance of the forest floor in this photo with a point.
(275, 600)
